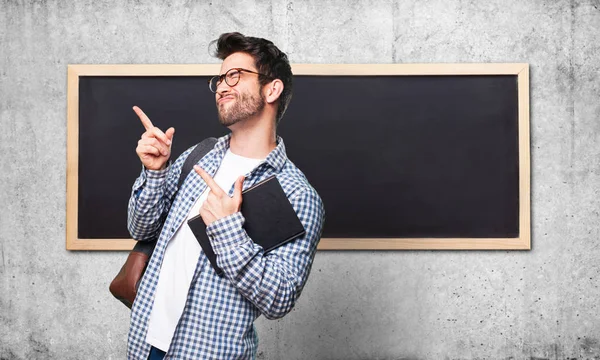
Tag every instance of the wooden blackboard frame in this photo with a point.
(521, 70)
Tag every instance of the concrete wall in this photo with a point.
(542, 303)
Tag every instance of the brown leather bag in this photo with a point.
(124, 286)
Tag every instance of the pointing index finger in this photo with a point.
(209, 181)
(145, 119)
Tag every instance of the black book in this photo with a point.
(270, 219)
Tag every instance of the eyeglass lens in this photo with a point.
(232, 77)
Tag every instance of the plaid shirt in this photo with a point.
(217, 321)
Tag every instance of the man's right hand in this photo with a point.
(154, 148)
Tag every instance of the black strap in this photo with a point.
(147, 247)
(198, 153)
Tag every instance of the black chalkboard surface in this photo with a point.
(393, 157)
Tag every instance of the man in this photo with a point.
(183, 308)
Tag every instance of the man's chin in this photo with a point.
(228, 122)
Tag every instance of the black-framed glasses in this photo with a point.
(231, 77)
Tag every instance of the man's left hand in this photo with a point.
(218, 204)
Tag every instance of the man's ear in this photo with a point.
(273, 90)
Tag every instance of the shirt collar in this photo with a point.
(276, 158)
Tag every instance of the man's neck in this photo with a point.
(253, 139)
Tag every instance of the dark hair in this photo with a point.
(268, 59)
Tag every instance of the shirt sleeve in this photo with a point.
(273, 281)
(151, 197)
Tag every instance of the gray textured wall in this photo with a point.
(541, 303)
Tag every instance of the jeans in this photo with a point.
(156, 354)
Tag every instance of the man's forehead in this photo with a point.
(238, 60)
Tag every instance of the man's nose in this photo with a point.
(223, 88)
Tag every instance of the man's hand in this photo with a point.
(154, 148)
(218, 204)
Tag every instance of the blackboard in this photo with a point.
(435, 158)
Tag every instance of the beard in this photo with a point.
(244, 106)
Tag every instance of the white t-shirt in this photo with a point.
(181, 258)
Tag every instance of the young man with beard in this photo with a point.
(183, 309)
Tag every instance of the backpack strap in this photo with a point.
(198, 153)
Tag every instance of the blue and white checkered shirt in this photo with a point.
(217, 321)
